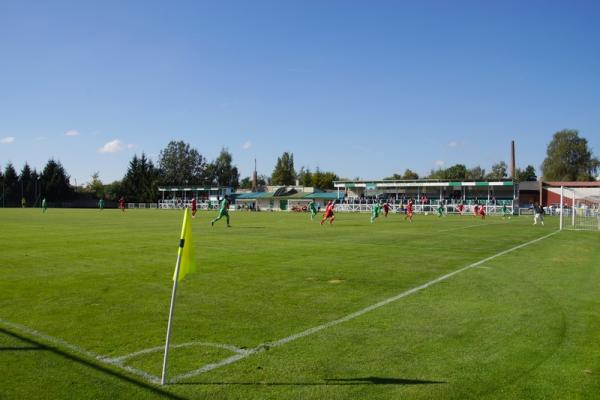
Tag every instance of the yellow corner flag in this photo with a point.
(186, 249)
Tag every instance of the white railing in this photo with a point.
(421, 208)
(179, 205)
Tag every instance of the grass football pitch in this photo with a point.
(283, 308)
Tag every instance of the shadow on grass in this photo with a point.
(82, 361)
(371, 380)
(375, 380)
(20, 348)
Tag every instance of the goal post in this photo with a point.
(579, 209)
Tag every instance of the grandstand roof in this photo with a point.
(325, 196)
(299, 195)
(253, 195)
(417, 183)
(577, 184)
(190, 188)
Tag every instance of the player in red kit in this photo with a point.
(460, 208)
(122, 204)
(476, 210)
(409, 211)
(386, 209)
(194, 209)
(482, 212)
(329, 213)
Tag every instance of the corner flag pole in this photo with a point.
(185, 264)
(163, 378)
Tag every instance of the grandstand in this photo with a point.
(428, 194)
(174, 197)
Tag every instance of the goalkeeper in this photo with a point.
(538, 215)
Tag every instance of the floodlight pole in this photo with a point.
(163, 378)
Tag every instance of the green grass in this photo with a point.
(523, 325)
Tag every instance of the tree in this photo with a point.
(568, 158)
(11, 186)
(246, 183)
(180, 164)
(113, 191)
(456, 172)
(221, 171)
(528, 174)
(33, 188)
(498, 172)
(323, 180)
(140, 183)
(305, 177)
(475, 174)
(2, 185)
(284, 173)
(437, 174)
(262, 181)
(26, 184)
(410, 175)
(55, 182)
(95, 186)
(395, 177)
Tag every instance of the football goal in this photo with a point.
(579, 209)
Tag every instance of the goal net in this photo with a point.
(580, 209)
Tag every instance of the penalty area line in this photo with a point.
(265, 346)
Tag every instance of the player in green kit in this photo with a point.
(375, 211)
(440, 210)
(312, 208)
(505, 212)
(223, 212)
(101, 204)
(44, 204)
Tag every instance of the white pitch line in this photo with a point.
(76, 349)
(121, 359)
(280, 342)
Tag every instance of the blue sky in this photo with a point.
(364, 89)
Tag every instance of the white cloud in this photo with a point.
(112, 147)
(7, 140)
(439, 163)
(131, 146)
(71, 132)
(247, 145)
(454, 144)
